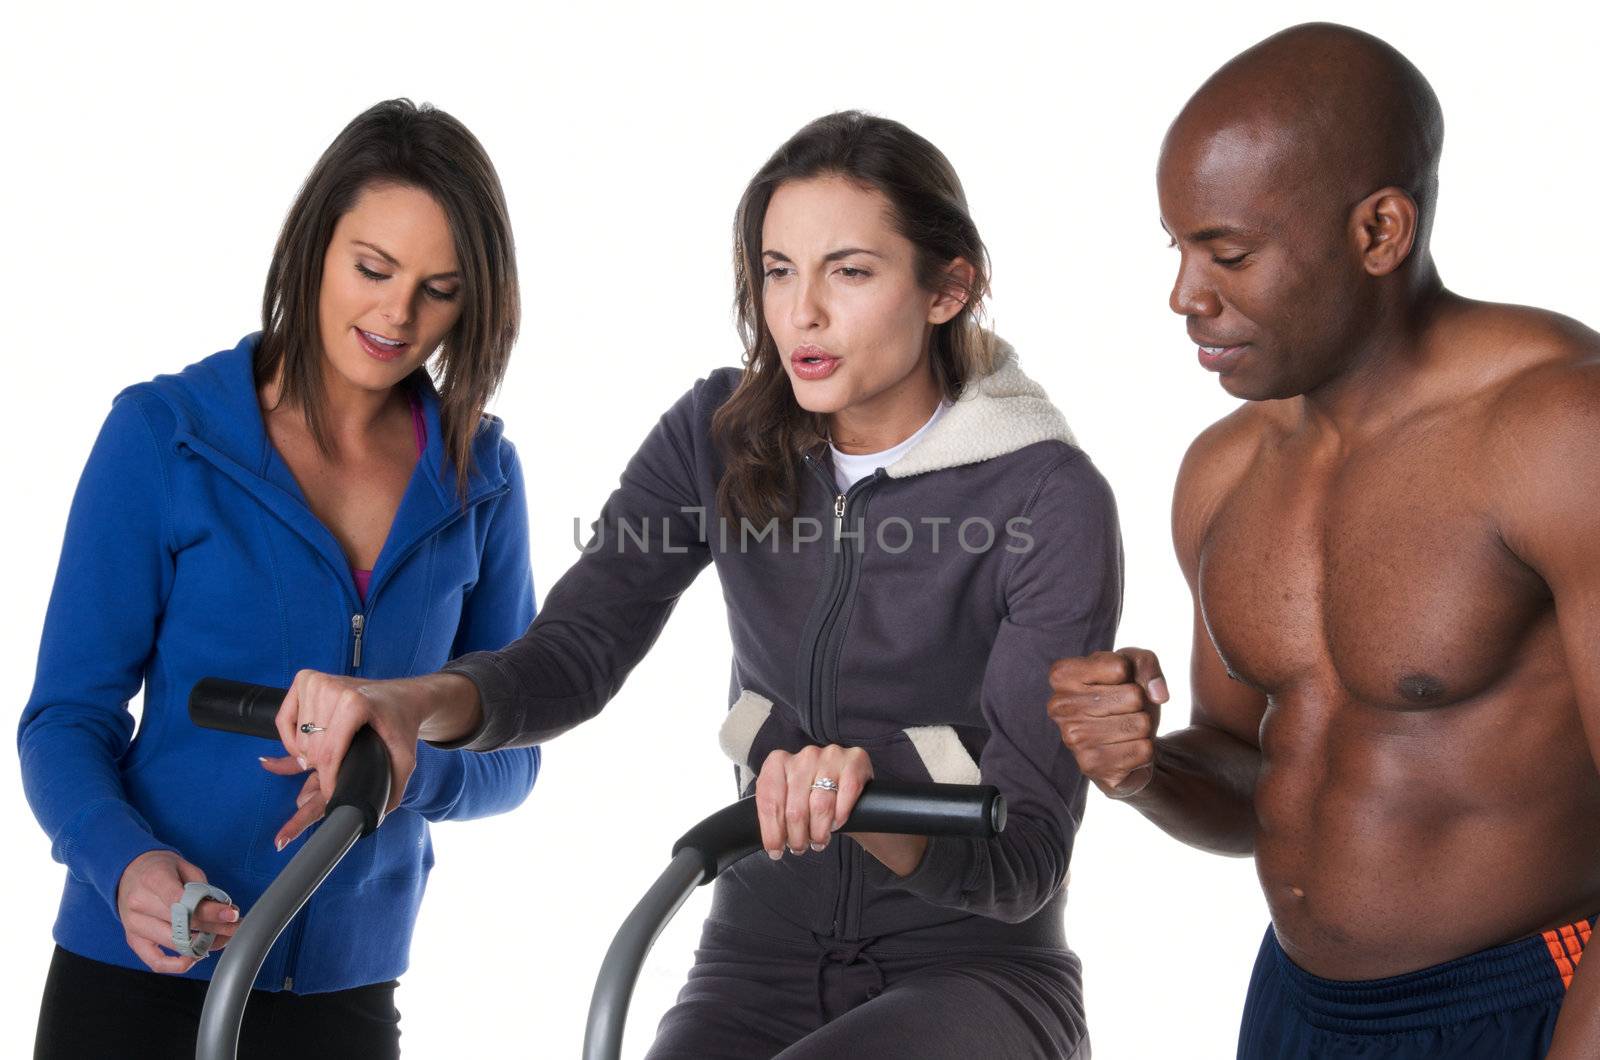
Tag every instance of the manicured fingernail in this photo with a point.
(279, 844)
(775, 854)
(305, 797)
(262, 759)
(1158, 690)
(819, 847)
(302, 760)
(230, 916)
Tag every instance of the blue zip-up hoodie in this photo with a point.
(190, 551)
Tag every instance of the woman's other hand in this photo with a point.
(150, 884)
(310, 803)
(803, 798)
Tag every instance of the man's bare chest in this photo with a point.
(1380, 573)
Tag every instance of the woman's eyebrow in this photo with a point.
(832, 255)
(386, 256)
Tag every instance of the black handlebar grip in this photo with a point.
(233, 706)
(909, 808)
(364, 779)
(976, 811)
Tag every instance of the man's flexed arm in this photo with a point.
(1547, 464)
(1198, 783)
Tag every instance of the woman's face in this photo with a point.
(841, 297)
(390, 287)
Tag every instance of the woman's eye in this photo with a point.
(852, 272)
(440, 296)
(368, 273)
(776, 271)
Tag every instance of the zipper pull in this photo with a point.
(357, 623)
(838, 517)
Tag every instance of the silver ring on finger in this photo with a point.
(310, 728)
(824, 784)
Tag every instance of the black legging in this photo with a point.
(92, 1009)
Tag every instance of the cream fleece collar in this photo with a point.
(996, 414)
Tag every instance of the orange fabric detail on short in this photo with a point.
(1566, 945)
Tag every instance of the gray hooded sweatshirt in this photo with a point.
(914, 616)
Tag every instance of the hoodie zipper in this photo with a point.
(823, 705)
(293, 955)
(358, 623)
(358, 638)
(358, 626)
(824, 726)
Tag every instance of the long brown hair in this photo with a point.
(761, 430)
(397, 142)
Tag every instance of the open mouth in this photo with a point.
(812, 362)
(381, 346)
(1220, 358)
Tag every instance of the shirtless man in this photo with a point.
(1394, 551)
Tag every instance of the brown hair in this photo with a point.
(397, 142)
(761, 430)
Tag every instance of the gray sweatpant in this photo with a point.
(751, 996)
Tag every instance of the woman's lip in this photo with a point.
(1224, 358)
(377, 350)
(811, 363)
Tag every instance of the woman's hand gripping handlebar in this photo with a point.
(319, 715)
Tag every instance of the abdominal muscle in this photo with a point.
(1389, 841)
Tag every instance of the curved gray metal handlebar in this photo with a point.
(241, 962)
(732, 833)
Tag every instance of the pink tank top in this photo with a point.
(419, 427)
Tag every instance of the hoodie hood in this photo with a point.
(996, 414)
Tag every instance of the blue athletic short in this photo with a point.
(1499, 1004)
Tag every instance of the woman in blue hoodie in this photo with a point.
(306, 499)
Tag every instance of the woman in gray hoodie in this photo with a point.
(907, 536)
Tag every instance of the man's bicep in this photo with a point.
(1547, 475)
(1568, 559)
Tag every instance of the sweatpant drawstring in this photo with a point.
(845, 954)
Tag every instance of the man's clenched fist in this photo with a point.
(1108, 707)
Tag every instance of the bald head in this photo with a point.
(1299, 184)
(1334, 108)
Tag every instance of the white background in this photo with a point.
(149, 160)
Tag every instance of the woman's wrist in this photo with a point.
(900, 854)
(449, 707)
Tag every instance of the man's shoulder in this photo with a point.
(1221, 454)
(1217, 461)
(1552, 396)
(1235, 437)
(1540, 461)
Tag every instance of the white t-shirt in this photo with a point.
(850, 468)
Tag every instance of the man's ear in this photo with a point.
(955, 288)
(1384, 229)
